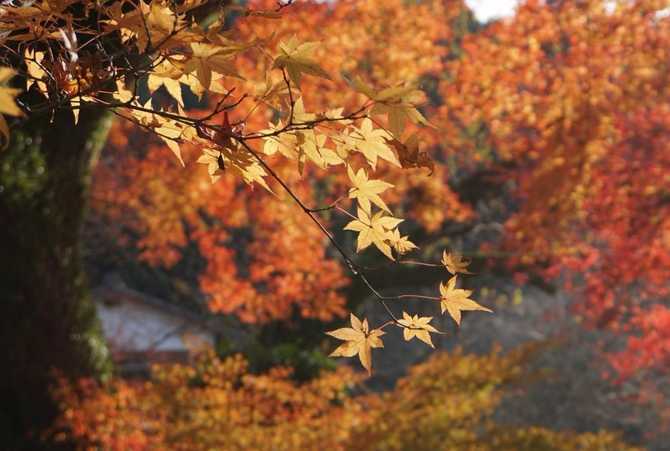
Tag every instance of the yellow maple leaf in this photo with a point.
(214, 161)
(36, 72)
(455, 263)
(373, 229)
(207, 59)
(366, 191)
(415, 326)
(307, 144)
(398, 103)
(455, 300)
(246, 165)
(153, 24)
(173, 144)
(238, 160)
(122, 93)
(333, 157)
(296, 59)
(296, 144)
(310, 145)
(401, 244)
(270, 88)
(301, 146)
(167, 74)
(7, 95)
(7, 103)
(284, 143)
(358, 339)
(373, 143)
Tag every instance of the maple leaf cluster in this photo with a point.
(268, 123)
(359, 339)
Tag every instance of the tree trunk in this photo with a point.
(47, 320)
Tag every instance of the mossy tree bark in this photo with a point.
(47, 320)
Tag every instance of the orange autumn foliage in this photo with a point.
(383, 43)
(574, 98)
(286, 264)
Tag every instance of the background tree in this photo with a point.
(575, 111)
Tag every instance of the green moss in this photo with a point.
(23, 169)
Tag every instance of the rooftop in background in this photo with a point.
(485, 10)
(141, 329)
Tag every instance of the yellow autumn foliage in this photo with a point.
(446, 403)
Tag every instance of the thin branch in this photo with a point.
(355, 269)
(418, 263)
(331, 206)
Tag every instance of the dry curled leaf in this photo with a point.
(455, 263)
(410, 156)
